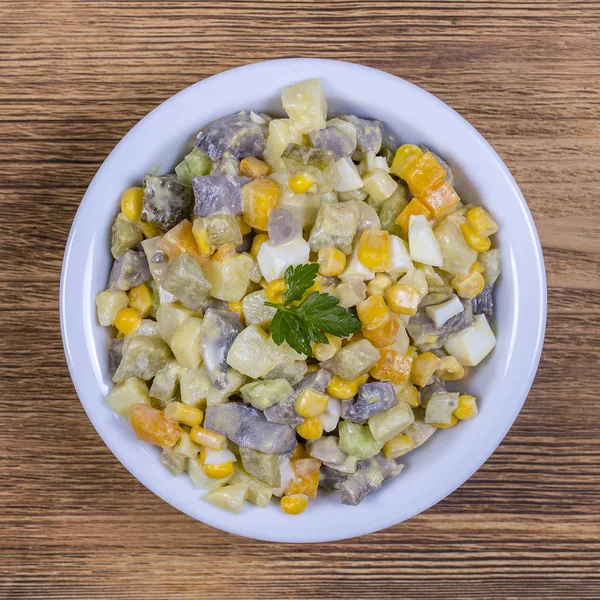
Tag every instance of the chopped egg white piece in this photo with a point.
(332, 414)
(440, 313)
(274, 260)
(218, 457)
(381, 163)
(355, 269)
(401, 262)
(349, 176)
(423, 245)
(470, 346)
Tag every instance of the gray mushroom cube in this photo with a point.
(166, 202)
(327, 450)
(330, 478)
(332, 139)
(236, 135)
(318, 163)
(369, 135)
(368, 478)
(372, 399)
(185, 279)
(352, 360)
(336, 225)
(124, 234)
(218, 193)
(129, 270)
(248, 427)
(483, 303)
(227, 165)
(282, 227)
(143, 357)
(115, 354)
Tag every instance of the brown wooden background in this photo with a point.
(74, 77)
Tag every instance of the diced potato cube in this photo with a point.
(305, 104)
(440, 407)
(379, 185)
(186, 343)
(196, 389)
(169, 317)
(253, 353)
(109, 303)
(457, 255)
(127, 394)
(230, 497)
(186, 447)
(388, 424)
(282, 133)
(353, 360)
(228, 275)
(255, 311)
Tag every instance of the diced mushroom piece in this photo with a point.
(282, 227)
(166, 202)
(237, 135)
(419, 432)
(222, 228)
(143, 357)
(372, 399)
(369, 135)
(166, 381)
(129, 270)
(387, 425)
(293, 371)
(124, 234)
(327, 450)
(266, 393)
(265, 467)
(348, 465)
(435, 387)
(254, 353)
(255, 311)
(185, 279)
(336, 225)
(317, 380)
(331, 479)
(218, 193)
(227, 165)
(115, 354)
(157, 259)
(196, 388)
(246, 244)
(333, 139)
(319, 164)
(248, 427)
(220, 328)
(483, 303)
(389, 467)
(352, 360)
(228, 274)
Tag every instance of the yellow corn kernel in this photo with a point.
(299, 452)
(257, 242)
(236, 307)
(468, 285)
(449, 369)
(474, 240)
(392, 366)
(244, 227)
(423, 367)
(477, 266)
(294, 505)
(183, 413)
(481, 221)
(275, 290)
(219, 471)
(131, 203)
(467, 407)
(127, 320)
(373, 312)
(423, 173)
(414, 207)
(140, 299)
(398, 446)
(404, 157)
(210, 439)
(254, 167)
(259, 198)
(345, 389)
(313, 367)
(300, 183)
(403, 299)
(331, 261)
(453, 422)
(150, 230)
(327, 351)
(311, 403)
(201, 237)
(380, 284)
(311, 429)
(410, 395)
(374, 249)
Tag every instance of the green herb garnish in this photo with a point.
(304, 323)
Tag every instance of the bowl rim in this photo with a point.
(488, 446)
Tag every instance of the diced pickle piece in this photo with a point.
(108, 304)
(319, 164)
(221, 327)
(165, 383)
(228, 274)
(150, 425)
(258, 493)
(358, 441)
(333, 139)
(391, 208)
(124, 234)
(176, 464)
(222, 228)
(229, 497)
(336, 225)
(369, 135)
(282, 227)
(218, 193)
(373, 398)
(265, 467)
(419, 432)
(129, 270)
(255, 311)
(440, 407)
(236, 135)
(196, 388)
(254, 353)
(166, 202)
(386, 425)
(353, 360)
(292, 371)
(282, 132)
(491, 265)
(248, 427)
(124, 396)
(185, 279)
(262, 394)
(305, 104)
(143, 357)
(194, 164)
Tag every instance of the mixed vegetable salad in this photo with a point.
(290, 307)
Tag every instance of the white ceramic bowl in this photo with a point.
(501, 383)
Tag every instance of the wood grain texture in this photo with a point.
(74, 77)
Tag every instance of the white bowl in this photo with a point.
(501, 383)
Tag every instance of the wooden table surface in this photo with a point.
(74, 77)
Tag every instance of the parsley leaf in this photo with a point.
(306, 323)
